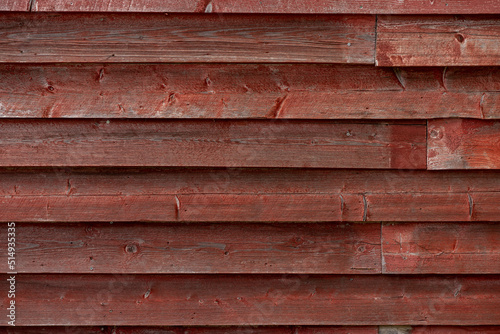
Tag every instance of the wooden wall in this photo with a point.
(266, 167)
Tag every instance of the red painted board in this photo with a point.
(437, 248)
(202, 300)
(243, 181)
(438, 41)
(463, 144)
(292, 91)
(269, 6)
(15, 5)
(254, 208)
(249, 195)
(184, 38)
(438, 329)
(135, 248)
(195, 330)
(212, 143)
(89, 208)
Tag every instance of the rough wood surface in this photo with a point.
(451, 248)
(196, 300)
(249, 195)
(438, 41)
(195, 330)
(128, 248)
(463, 144)
(438, 329)
(302, 91)
(15, 5)
(256, 330)
(140, 38)
(268, 6)
(212, 143)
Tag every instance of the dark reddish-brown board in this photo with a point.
(273, 6)
(89, 208)
(257, 330)
(463, 144)
(303, 91)
(24, 182)
(438, 41)
(438, 329)
(196, 300)
(140, 38)
(135, 248)
(249, 195)
(195, 330)
(451, 248)
(212, 143)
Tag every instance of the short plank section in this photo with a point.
(451, 248)
(249, 195)
(438, 41)
(463, 144)
(271, 6)
(201, 300)
(196, 330)
(139, 38)
(15, 5)
(133, 248)
(212, 143)
(298, 91)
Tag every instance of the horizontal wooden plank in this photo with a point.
(256, 330)
(298, 91)
(438, 41)
(195, 330)
(438, 329)
(212, 143)
(139, 38)
(249, 195)
(463, 144)
(89, 208)
(269, 6)
(15, 5)
(113, 182)
(128, 248)
(201, 300)
(452, 248)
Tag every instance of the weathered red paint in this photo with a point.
(437, 248)
(185, 38)
(223, 143)
(463, 144)
(291, 91)
(270, 6)
(205, 300)
(438, 41)
(135, 248)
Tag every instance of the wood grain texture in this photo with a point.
(248, 195)
(438, 41)
(15, 5)
(292, 91)
(451, 248)
(136, 248)
(438, 329)
(463, 144)
(255, 330)
(155, 300)
(269, 6)
(140, 38)
(194, 330)
(212, 143)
